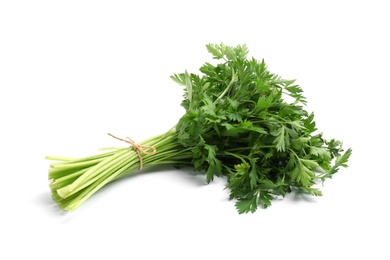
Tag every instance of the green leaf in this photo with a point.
(243, 127)
(246, 205)
(179, 78)
(215, 165)
(280, 139)
(310, 164)
(267, 184)
(341, 161)
(235, 117)
(265, 199)
(309, 124)
(296, 91)
(302, 174)
(265, 102)
(299, 142)
(209, 106)
(215, 50)
(227, 125)
(242, 168)
(313, 191)
(237, 177)
(320, 152)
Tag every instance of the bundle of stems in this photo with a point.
(72, 181)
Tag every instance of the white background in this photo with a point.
(71, 71)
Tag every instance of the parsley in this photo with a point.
(237, 125)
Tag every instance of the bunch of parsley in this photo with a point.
(236, 125)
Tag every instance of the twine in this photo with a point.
(137, 148)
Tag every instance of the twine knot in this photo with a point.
(137, 148)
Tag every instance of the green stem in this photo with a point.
(234, 79)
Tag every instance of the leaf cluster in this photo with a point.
(238, 124)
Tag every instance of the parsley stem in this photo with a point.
(233, 80)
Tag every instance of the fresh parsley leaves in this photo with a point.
(238, 125)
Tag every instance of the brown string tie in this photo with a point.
(137, 148)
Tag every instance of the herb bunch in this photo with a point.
(237, 124)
